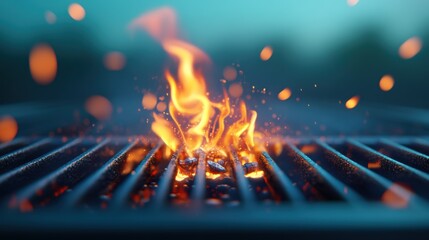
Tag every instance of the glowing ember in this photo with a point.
(43, 64)
(396, 196)
(256, 174)
(149, 101)
(196, 121)
(352, 3)
(410, 48)
(8, 128)
(133, 158)
(352, 102)
(99, 107)
(285, 94)
(114, 61)
(386, 83)
(374, 165)
(77, 12)
(266, 53)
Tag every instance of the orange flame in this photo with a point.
(197, 122)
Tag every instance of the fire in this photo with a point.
(194, 120)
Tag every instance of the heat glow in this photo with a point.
(195, 121)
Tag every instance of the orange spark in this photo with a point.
(43, 64)
(8, 128)
(266, 53)
(410, 48)
(76, 11)
(99, 107)
(352, 102)
(386, 83)
(284, 94)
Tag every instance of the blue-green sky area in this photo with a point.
(312, 25)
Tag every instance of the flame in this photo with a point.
(196, 121)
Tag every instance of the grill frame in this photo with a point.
(294, 216)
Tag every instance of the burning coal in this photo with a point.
(194, 120)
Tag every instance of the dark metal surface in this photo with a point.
(321, 183)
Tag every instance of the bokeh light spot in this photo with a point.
(386, 83)
(410, 48)
(76, 11)
(235, 90)
(285, 94)
(230, 73)
(266, 53)
(114, 61)
(352, 102)
(149, 101)
(43, 64)
(99, 107)
(8, 128)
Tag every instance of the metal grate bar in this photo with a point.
(18, 177)
(23, 155)
(276, 176)
(394, 170)
(336, 185)
(389, 161)
(198, 191)
(8, 147)
(31, 190)
(106, 174)
(122, 193)
(379, 184)
(166, 181)
(406, 155)
(247, 196)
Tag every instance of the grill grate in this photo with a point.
(116, 173)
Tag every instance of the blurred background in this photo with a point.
(71, 55)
